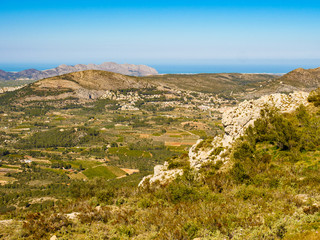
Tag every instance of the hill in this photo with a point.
(213, 82)
(302, 78)
(91, 80)
(245, 86)
(229, 84)
(34, 74)
(83, 86)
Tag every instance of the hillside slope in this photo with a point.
(214, 82)
(245, 86)
(268, 190)
(305, 78)
(83, 86)
(235, 121)
(91, 80)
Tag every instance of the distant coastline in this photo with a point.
(278, 69)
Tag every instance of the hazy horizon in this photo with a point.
(258, 66)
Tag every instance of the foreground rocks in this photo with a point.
(162, 175)
(235, 121)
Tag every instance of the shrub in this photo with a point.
(180, 192)
(106, 196)
(40, 225)
(314, 97)
(238, 173)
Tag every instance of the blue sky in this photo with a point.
(159, 32)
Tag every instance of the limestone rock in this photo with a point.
(73, 215)
(161, 176)
(235, 120)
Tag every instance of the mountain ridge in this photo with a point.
(34, 74)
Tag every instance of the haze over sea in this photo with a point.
(224, 67)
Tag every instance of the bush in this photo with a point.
(314, 97)
(106, 196)
(40, 225)
(4, 152)
(238, 173)
(180, 193)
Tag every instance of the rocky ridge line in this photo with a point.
(235, 121)
(34, 74)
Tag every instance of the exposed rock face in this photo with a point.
(9, 89)
(235, 120)
(126, 69)
(161, 176)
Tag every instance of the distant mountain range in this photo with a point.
(34, 74)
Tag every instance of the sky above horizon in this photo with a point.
(159, 32)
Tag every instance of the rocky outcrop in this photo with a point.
(161, 176)
(235, 121)
(34, 74)
(10, 89)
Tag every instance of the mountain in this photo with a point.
(33, 74)
(77, 86)
(305, 78)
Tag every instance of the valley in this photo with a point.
(74, 148)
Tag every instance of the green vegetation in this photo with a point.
(214, 83)
(314, 97)
(58, 138)
(60, 171)
(270, 191)
(101, 171)
(15, 83)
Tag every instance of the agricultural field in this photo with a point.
(47, 147)
(70, 167)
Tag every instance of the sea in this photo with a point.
(231, 68)
(188, 68)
